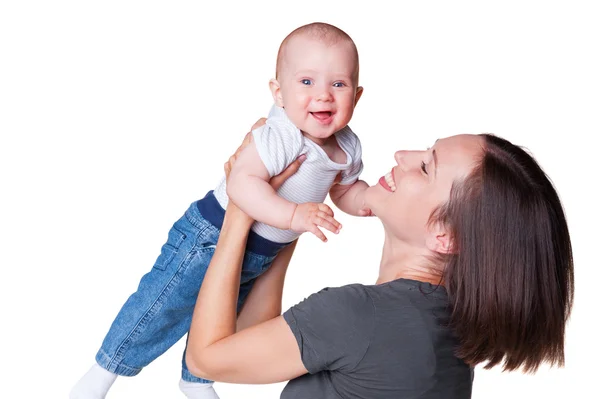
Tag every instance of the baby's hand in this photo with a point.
(308, 216)
(365, 212)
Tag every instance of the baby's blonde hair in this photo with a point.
(326, 33)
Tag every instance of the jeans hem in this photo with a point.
(106, 362)
(189, 377)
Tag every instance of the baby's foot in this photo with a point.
(197, 390)
(94, 384)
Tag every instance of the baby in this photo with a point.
(315, 92)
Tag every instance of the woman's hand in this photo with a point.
(275, 182)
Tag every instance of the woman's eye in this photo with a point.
(423, 168)
(338, 84)
(306, 82)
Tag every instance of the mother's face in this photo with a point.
(420, 182)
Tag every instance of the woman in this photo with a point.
(476, 267)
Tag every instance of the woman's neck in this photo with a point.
(402, 260)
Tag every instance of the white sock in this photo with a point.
(94, 384)
(198, 390)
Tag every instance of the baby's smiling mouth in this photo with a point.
(322, 115)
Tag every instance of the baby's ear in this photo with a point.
(276, 92)
(359, 92)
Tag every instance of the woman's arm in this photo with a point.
(264, 301)
(264, 353)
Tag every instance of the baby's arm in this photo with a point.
(350, 198)
(249, 189)
(348, 192)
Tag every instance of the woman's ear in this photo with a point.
(276, 92)
(438, 240)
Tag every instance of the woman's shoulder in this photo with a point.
(352, 297)
(411, 296)
(396, 290)
(364, 304)
(334, 310)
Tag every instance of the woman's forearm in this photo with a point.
(264, 301)
(214, 350)
(215, 312)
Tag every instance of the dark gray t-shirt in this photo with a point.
(380, 341)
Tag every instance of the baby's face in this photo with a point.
(318, 85)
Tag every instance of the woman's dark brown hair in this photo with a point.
(510, 276)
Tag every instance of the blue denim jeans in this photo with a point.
(159, 313)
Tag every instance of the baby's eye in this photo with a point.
(306, 82)
(339, 84)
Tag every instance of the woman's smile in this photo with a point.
(388, 181)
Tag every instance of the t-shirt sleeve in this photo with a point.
(354, 148)
(333, 327)
(278, 144)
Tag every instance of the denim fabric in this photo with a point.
(159, 313)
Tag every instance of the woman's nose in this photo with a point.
(406, 159)
(399, 155)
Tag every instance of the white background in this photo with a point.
(116, 115)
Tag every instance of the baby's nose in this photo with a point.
(324, 95)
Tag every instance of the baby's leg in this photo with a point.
(158, 314)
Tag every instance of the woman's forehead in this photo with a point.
(459, 151)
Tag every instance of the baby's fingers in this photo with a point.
(365, 212)
(326, 209)
(316, 231)
(259, 123)
(328, 222)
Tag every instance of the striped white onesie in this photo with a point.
(279, 143)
